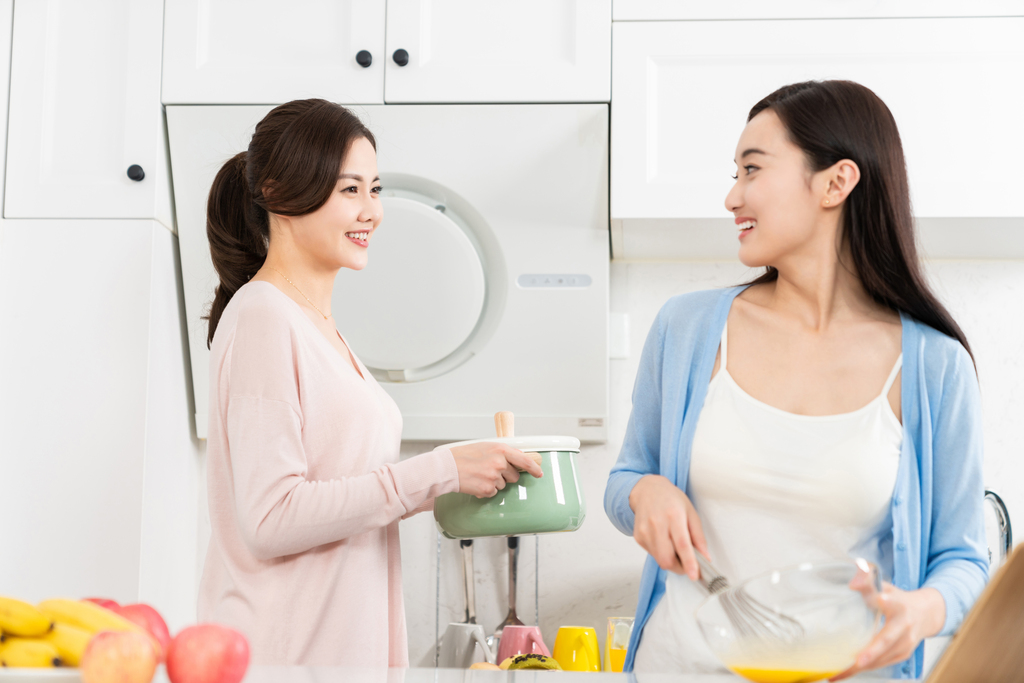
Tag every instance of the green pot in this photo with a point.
(530, 506)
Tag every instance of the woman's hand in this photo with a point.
(484, 468)
(666, 525)
(910, 617)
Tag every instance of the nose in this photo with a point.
(371, 210)
(734, 199)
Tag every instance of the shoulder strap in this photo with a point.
(892, 375)
(725, 346)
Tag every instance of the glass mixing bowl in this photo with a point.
(794, 625)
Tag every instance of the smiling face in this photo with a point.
(337, 235)
(777, 201)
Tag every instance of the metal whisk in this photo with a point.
(750, 617)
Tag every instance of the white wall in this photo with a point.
(594, 573)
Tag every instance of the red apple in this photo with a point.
(207, 653)
(103, 602)
(119, 657)
(148, 618)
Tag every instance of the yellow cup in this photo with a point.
(576, 649)
(616, 642)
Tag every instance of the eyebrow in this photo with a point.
(356, 177)
(753, 150)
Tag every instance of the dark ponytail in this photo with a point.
(835, 120)
(290, 168)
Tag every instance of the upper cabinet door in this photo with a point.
(524, 51)
(682, 91)
(642, 10)
(85, 106)
(269, 52)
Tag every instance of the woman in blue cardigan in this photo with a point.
(828, 409)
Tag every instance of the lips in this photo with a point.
(362, 238)
(745, 224)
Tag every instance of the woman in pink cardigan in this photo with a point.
(305, 485)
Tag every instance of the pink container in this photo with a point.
(519, 640)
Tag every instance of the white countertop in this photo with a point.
(345, 674)
(300, 674)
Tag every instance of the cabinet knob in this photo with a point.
(136, 173)
(364, 58)
(401, 57)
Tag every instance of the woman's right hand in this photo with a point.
(484, 468)
(666, 525)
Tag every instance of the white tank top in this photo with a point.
(774, 489)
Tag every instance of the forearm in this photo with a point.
(297, 515)
(933, 612)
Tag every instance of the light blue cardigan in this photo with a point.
(938, 530)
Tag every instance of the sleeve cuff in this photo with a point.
(423, 477)
(618, 507)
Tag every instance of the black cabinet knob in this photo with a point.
(364, 58)
(136, 173)
(401, 57)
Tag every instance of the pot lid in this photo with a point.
(531, 444)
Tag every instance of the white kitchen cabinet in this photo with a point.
(74, 301)
(84, 109)
(6, 36)
(267, 51)
(101, 474)
(645, 10)
(682, 90)
(472, 51)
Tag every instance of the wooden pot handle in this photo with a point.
(504, 424)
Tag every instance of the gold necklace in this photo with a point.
(299, 291)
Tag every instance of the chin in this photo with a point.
(751, 259)
(353, 263)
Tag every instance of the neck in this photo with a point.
(307, 279)
(820, 287)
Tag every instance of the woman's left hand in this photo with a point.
(910, 617)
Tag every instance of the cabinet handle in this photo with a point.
(401, 57)
(364, 58)
(136, 173)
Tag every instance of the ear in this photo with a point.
(840, 179)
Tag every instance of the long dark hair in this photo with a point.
(290, 168)
(835, 120)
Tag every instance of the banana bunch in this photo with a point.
(54, 633)
(28, 652)
(19, 618)
(23, 627)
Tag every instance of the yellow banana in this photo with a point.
(22, 619)
(28, 652)
(92, 618)
(85, 615)
(70, 642)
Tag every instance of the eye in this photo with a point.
(749, 168)
(351, 188)
(377, 190)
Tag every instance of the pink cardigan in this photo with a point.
(306, 491)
